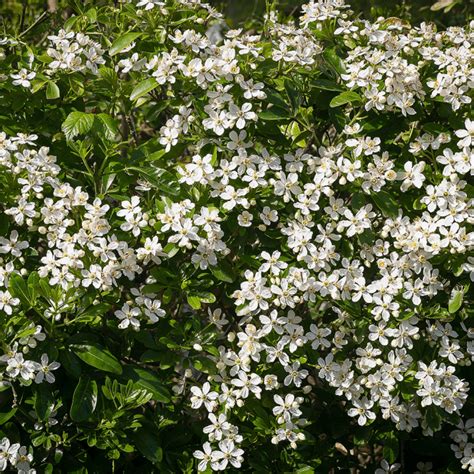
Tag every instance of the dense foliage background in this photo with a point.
(232, 249)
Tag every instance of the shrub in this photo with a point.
(240, 248)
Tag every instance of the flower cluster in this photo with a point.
(15, 456)
(73, 52)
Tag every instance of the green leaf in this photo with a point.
(52, 91)
(334, 61)
(204, 364)
(193, 301)
(274, 113)
(92, 313)
(148, 442)
(143, 88)
(123, 42)
(206, 296)
(326, 85)
(345, 98)
(223, 272)
(160, 179)
(84, 399)
(96, 356)
(33, 283)
(77, 123)
(293, 95)
(108, 125)
(455, 301)
(433, 418)
(146, 379)
(19, 289)
(4, 417)
(390, 447)
(386, 203)
(43, 401)
(443, 4)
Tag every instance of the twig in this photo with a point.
(23, 15)
(35, 23)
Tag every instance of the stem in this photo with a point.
(23, 15)
(35, 23)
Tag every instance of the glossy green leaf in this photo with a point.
(345, 98)
(223, 271)
(274, 113)
(84, 399)
(6, 416)
(146, 379)
(43, 401)
(96, 356)
(108, 126)
(160, 179)
(122, 42)
(143, 88)
(386, 203)
(148, 442)
(19, 288)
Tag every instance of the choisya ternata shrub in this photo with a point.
(228, 249)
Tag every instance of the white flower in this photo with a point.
(412, 176)
(245, 219)
(150, 4)
(7, 452)
(17, 365)
(7, 302)
(219, 425)
(386, 468)
(466, 135)
(228, 453)
(286, 409)
(44, 370)
(13, 245)
(128, 316)
(23, 78)
(204, 456)
(203, 395)
(217, 122)
(240, 115)
(362, 411)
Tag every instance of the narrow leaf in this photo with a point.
(144, 88)
(123, 42)
(84, 399)
(145, 379)
(96, 356)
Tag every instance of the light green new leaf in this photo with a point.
(52, 91)
(345, 98)
(123, 42)
(108, 125)
(455, 301)
(77, 123)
